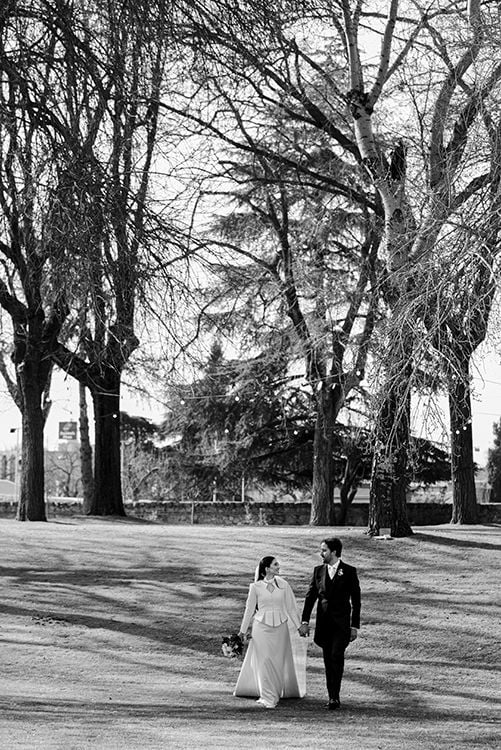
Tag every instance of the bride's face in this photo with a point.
(273, 569)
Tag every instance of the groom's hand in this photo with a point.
(353, 634)
(304, 629)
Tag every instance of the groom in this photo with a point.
(335, 585)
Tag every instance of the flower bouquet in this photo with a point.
(232, 646)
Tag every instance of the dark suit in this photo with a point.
(338, 610)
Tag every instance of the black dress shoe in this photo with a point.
(334, 704)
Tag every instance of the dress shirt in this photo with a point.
(331, 569)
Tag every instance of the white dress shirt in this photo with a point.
(331, 569)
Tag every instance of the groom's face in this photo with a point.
(326, 554)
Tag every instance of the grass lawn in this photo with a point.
(110, 638)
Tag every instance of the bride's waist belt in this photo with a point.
(272, 617)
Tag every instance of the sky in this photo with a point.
(64, 394)
(486, 406)
(486, 409)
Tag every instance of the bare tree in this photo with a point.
(63, 473)
(420, 169)
(78, 112)
(39, 204)
(130, 43)
(452, 110)
(457, 318)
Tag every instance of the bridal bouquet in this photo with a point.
(232, 646)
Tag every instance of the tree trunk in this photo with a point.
(379, 494)
(464, 498)
(399, 519)
(107, 499)
(85, 454)
(346, 495)
(322, 503)
(349, 486)
(388, 491)
(31, 506)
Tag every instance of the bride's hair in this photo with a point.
(264, 563)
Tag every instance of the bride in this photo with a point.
(275, 663)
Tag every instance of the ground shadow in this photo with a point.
(455, 542)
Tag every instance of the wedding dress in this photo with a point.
(274, 666)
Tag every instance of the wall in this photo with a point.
(253, 514)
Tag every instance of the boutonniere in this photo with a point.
(340, 572)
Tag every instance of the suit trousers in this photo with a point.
(333, 652)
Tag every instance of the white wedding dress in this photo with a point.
(274, 666)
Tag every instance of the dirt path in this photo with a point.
(110, 638)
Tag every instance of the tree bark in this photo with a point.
(399, 521)
(31, 506)
(87, 473)
(389, 480)
(322, 504)
(349, 486)
(106, 399)
(346, 495)
(464, 498)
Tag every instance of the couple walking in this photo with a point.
(275, 663)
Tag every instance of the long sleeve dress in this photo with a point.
(275, 663)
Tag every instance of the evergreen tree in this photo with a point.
(238, 420)
(247, 419)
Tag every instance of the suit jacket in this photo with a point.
(338, 602)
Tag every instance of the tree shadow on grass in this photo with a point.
(455, 542)
(219, 708)
(168, 631)
(166, 612)
(129, 519)
(91, 576)
(189, 628)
